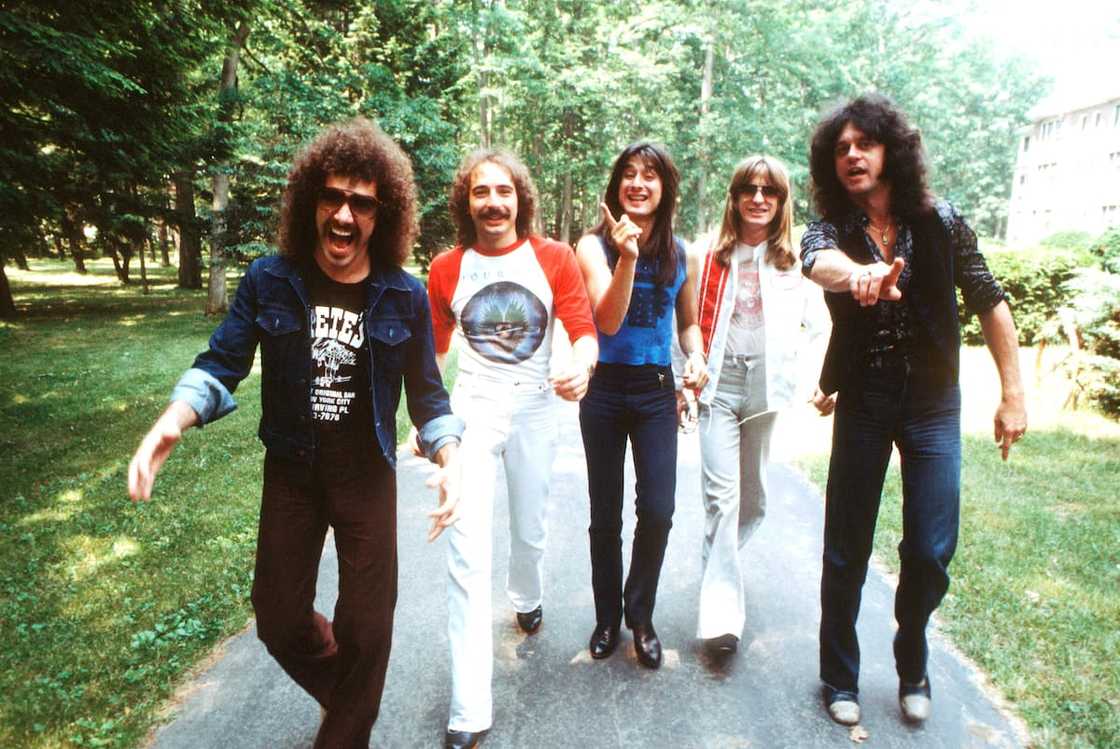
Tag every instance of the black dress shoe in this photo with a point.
(462, 739)
(646, 646)
(722, 645)
(603, 640)
(530, 622)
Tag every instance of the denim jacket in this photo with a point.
(272, 308)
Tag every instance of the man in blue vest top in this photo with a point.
(890, 257)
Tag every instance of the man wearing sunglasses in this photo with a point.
(891, 258)
(340, 325)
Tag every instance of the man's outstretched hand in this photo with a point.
(156, 447)
(870, 283)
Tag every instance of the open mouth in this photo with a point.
(340, 239)
(857, 171)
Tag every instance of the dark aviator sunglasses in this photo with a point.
(768, 191)
(332, 198)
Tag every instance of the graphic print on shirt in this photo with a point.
(647, 300)
(504, 322)
(336, 343)
(748, 302)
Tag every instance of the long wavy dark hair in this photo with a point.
(660, 244)
(903, 165)
(357, 149)
(460, 200)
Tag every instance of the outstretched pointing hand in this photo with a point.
(624, 232)
(870, 283)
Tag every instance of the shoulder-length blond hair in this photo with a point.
(779, 240)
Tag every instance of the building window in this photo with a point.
(1084, 121)
(1023, 179)
(1026, 143)
(1100, 119)
(1116, 115)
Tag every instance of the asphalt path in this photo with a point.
(547, 690)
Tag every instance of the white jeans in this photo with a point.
(734, 450)
(514, 426)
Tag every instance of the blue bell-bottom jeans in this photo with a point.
(919, 412)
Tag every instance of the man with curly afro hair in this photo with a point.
(340, 326)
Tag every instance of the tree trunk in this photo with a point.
(481, 48)
(120, 263)
(566, 209)
(7, 303)
(138, 248)
(217, 300)
(705, 102)
(190, 255)
(72, 228)
(20, 259)
(164, 255)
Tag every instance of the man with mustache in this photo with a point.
(499, 291)
(339, 325)
(891, 257)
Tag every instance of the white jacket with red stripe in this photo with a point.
(794, 314)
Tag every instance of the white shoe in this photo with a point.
(843, 707)
(914, 699)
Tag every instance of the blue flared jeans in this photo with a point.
(918, 411)
(635, 403)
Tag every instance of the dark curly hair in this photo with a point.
(460, 199)
(660, 243)
(357, 149)
(903, 164)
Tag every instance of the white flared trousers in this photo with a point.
(514, 427)
(735, 434)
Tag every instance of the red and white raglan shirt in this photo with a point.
(503, 303)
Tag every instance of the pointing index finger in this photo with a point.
(611, 223)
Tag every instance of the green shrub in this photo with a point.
(1068, 240)
(1107, 250)
(1034, 280)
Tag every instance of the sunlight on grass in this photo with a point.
(54, 278)
(47, 515)
(91, 554)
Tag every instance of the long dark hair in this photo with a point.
(661, 243)
(357, 149)
(903, 165)
(460, 200)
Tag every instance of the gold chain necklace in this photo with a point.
(884, 233)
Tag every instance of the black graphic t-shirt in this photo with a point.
(340, 360)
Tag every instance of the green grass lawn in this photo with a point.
(1034, 599)
(104, 604)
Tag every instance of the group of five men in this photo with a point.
(340, 326)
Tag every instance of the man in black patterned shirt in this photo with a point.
(890, 258)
